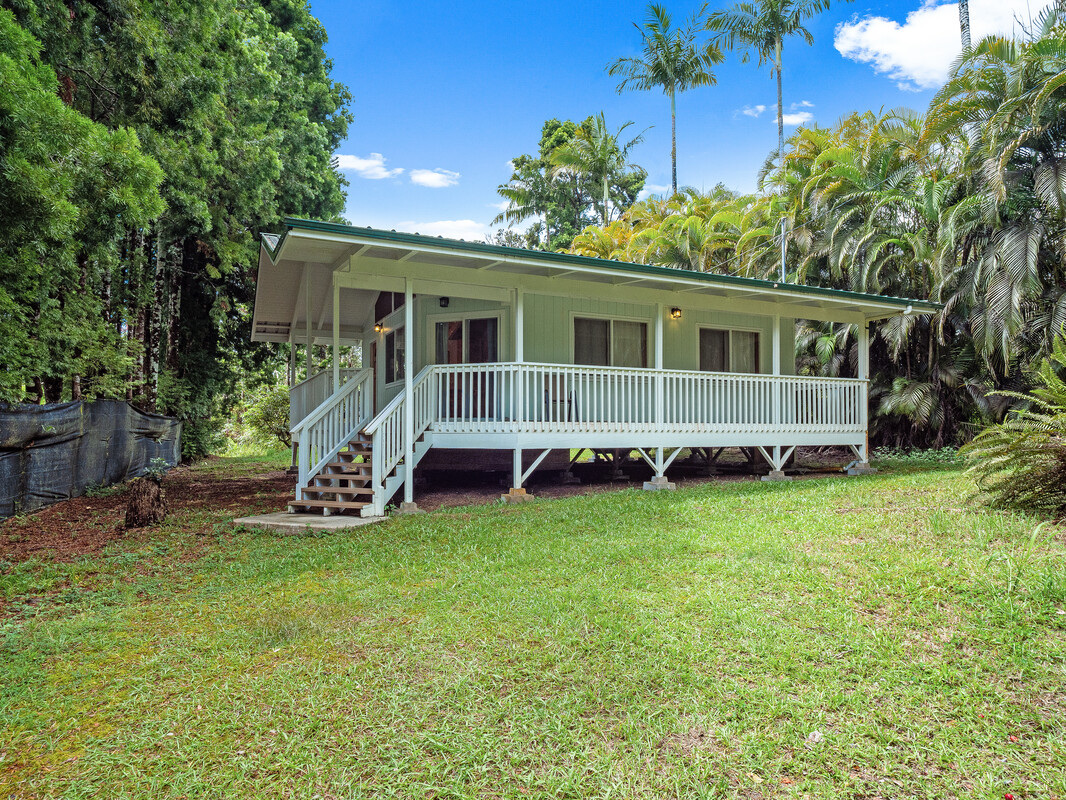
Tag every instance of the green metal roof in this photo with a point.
(566, 259)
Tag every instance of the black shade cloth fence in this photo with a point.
(54, 452)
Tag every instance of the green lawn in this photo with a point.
(866, 637)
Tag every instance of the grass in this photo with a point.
(836, 638)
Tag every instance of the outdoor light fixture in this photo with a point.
(378, 327)
(444, 302)
(675, 313)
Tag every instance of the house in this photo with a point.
(470, 346)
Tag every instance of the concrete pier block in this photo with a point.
(861, 468)
(517, 496)
(776, 475)
(659, 483)
(409, 508)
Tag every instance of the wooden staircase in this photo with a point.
(343, 486)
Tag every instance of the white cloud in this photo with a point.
(796, 118)
(654, 188)
(450, 228)
(503, 205)
(801, 104)
(372, 167)
(752, 111)
(434, 178)
(918, 53)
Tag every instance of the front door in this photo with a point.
(469, 393)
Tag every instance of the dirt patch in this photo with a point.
(215, 491)
(692, 741)
(86, 525)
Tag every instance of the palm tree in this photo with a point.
(528, 194)
(599, 154)
(964, 23)
(762, 28)
(673, 61)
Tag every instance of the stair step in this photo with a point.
(331, 504)
(338, 490)
(347, 477)
(360, 468)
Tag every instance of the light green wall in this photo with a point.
(549, 328)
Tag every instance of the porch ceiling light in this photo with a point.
(675, 313)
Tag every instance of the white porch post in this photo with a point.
(777, 462)
(336, 334)
(519, 391)
(517, 494)
(519, 326)
(659, 481)
(775, 368)
(408, 405)
(864, 376)
(307, 320)
(861, 466)
(292, 361)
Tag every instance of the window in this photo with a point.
(610, 342)
(386, 303)
(471, 341)
(394, 356)
(729, 351)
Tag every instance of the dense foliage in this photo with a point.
(1022, 461)
(965, 205)
(562, 189)
(146, 144)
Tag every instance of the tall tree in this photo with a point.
(603, 157)
(964, 23)
(761, 28)
(671, 60)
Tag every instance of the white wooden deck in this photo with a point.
(520, 406)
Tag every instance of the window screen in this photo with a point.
(630, 344)
(729, 351)
(714, 350)
(744, 351)
(592, 341)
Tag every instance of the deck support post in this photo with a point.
(336, 334)
(660, 464)
(862, 465)
(307, 321)
(293, 468)
(408, 406)
(776, 370)
(660, 386)
(777, 457)
(517, 494)
(519, 412)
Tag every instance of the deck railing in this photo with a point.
(309, 394)
(327, 430)
(386, 429)
(558, 398)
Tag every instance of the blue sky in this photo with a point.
(444, 94)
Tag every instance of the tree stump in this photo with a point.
(146, 503)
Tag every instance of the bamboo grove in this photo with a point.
(145, 145)
(965, 205)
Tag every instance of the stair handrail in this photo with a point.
(386, 429)
(301, 392)
(325, 430)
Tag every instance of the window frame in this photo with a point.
(611, 319)
(465, 316)
(729, 349)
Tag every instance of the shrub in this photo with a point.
(268, 415)
(1022, 462)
